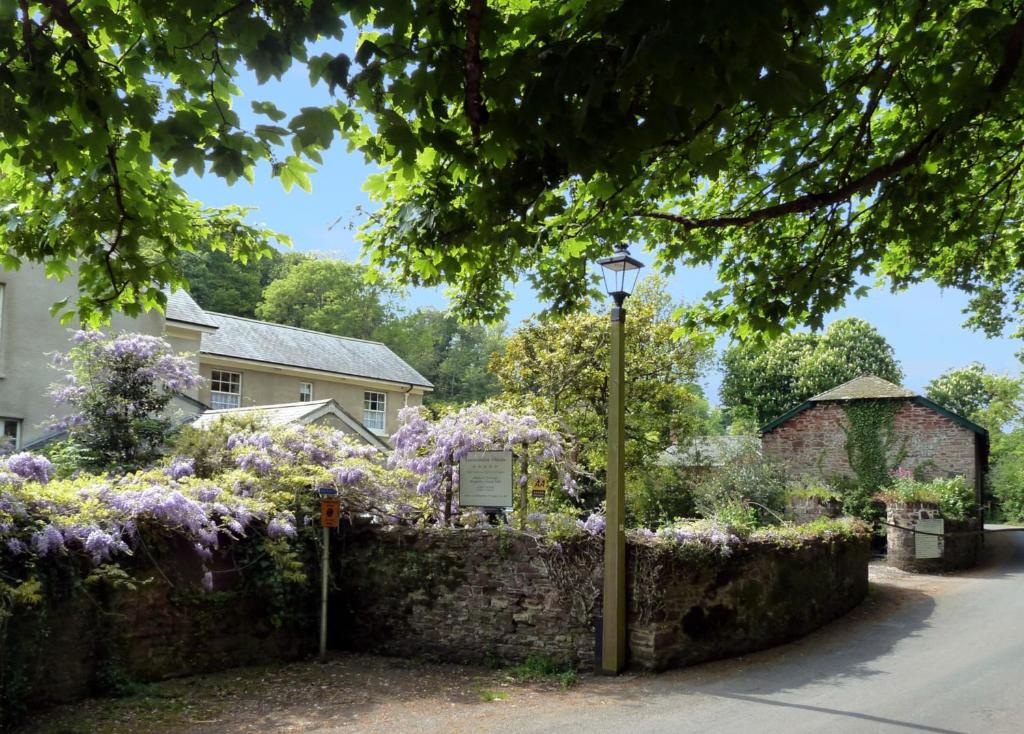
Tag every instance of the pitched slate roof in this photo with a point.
(283, 414)
(181, 307)
(288, 346)
(864, 387)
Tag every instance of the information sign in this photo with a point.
(929, 546)
(485, 479)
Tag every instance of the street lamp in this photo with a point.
(620, 275)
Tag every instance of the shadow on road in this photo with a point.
(838, 712)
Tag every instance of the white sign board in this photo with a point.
(485, 479)
(928, 546)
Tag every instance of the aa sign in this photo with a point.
(330, 512)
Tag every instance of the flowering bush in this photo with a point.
(117, 388)
(432, 449)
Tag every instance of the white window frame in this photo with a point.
(17, 430)
(305, 392)
(221, 399)
(372, 414)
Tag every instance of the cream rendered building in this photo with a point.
(245, 362)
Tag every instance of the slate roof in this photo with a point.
(283, 414)
(864, 387)
(181, 307)
(260, 341)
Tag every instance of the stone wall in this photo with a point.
(813, 443)
(803, 510)
(92, 638)
(958, 551)
(478, 595)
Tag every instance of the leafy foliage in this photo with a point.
(221, 284)
(744, 492)
(992, 401)
(1007, 476)
(452, 355)
(118, 388)
(327, 295)
(812, 142)
(560, 366)
(954, 496)
(771, 379)
(874, 450)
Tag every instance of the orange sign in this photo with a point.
(330, 513)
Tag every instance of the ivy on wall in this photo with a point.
(873, 449)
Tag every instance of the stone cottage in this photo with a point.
(811, 439)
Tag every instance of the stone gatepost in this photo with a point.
(910, 551)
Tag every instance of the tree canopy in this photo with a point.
(452, 355)
(991, 400)
(560, 367)
(796, 145)
(328, 295)
(769, 380)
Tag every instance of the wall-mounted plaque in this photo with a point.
(929, 546)
(485, 479)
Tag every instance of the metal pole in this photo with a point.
(324, 573)
(613, 643)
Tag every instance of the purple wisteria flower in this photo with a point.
(47, 540)
(28, 466)
(258, 462)
(181, 467)
(594, 525)
(282, 526)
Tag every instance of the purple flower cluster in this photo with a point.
(181, 467)
(593, 525)
(432, 449)
(713, 535)
(25, 465)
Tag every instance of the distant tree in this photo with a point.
(328, 295)
(220, 283)
(561, 366)
(760, 383)
(847, 349)
(991, 400)
(453, 356)
(772, 379)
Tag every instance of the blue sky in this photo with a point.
(923, 323)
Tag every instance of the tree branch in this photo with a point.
(1012, 53)
(474, 101)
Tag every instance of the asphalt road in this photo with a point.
(940, 654)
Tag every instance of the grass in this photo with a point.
(487, 696)
(542, 669)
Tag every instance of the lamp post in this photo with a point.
(620, 275)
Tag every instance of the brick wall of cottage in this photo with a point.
(813, 443)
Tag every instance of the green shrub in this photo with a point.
(746, 489)
(810, 488)
(954, 496)
(658, 495)
(1007, 482)
(542, 669)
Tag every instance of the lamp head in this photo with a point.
(621, 271)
